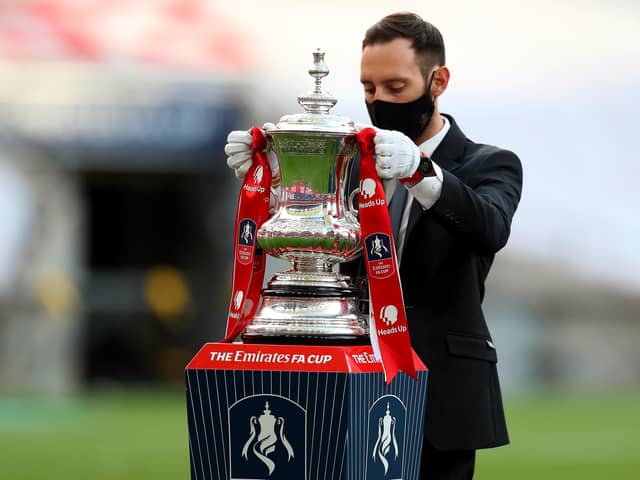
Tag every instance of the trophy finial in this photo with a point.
(319, 69)
(318, 101)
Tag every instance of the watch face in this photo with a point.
(425, 166)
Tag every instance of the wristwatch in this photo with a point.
(425, 169)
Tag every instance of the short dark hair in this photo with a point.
(425, 38)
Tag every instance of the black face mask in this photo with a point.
(410, 118)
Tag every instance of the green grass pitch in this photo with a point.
(143, 435)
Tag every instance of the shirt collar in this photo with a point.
(429, 146)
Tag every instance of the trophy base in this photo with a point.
(303, 314)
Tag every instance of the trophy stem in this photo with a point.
(311, 264)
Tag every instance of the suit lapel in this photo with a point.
(448, 155)
(450, 152)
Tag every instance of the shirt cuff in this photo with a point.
(427, 191)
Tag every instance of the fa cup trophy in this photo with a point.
(317, 402)
(315, 227)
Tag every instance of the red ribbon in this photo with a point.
(389, 320)
(248, 258)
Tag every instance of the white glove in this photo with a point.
(238, 149)
(396, 154)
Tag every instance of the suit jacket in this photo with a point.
(447, 255)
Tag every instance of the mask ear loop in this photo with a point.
(433, 74)
(431, 97)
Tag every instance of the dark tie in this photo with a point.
(396, 208)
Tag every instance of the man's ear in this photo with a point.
(440, 81)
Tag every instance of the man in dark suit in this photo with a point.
(452, 201)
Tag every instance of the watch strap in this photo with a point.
(425, 169)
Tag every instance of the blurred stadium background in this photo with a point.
(116, 211)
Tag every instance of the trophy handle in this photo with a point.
(350, 206)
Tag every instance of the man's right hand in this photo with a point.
(238, 149)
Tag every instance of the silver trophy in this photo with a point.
(314, 227)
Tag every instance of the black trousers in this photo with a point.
(439, 465)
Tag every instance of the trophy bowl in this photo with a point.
(314, 227)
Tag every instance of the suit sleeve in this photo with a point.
(479, 211)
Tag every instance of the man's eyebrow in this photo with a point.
(386, 80)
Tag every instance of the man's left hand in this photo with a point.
(396, 154)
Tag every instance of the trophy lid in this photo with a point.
(316, 104)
